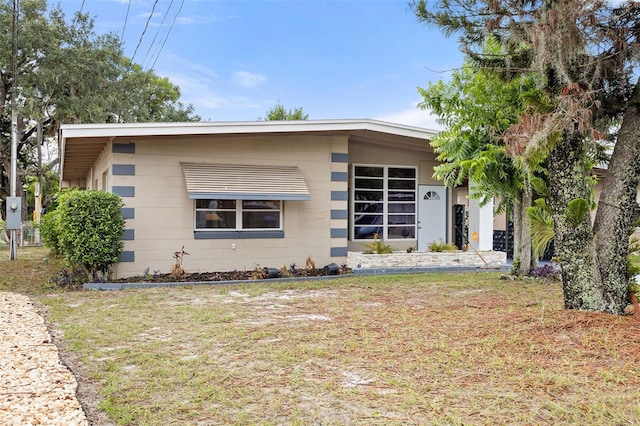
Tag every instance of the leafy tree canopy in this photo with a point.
(476, 107)
(279, 112)
(66, 73)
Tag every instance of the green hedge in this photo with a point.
(49, 232)
(86, 230)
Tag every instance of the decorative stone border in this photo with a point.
(487, 259)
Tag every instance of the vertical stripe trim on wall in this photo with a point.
(339, 232)
(127, 256)
(339, 195)
(339, 176)
(128, 212)
(339, 214)
(123, 169)
(338, 251)
(123, 148)
(124, 191)
(339, 157)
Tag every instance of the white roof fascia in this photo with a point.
(237, 127)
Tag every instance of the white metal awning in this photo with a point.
(244, 182)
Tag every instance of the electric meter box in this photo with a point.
(14, 212)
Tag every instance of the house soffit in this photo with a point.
(392, 141)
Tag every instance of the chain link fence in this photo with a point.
(28, 235)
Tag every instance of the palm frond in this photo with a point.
(541, 228)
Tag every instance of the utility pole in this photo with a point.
(14, 204)
(38, 192)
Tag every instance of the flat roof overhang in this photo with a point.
(82, 144)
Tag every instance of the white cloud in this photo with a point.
(146, 15)
(247, 79)
(174, 62)
(209, 102)
(199, 92)
(212, 97)
(413, 117)
(198, 19)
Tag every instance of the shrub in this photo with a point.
(378, 246)
(439, 246)
(633, 258)
(177, 270)
(546, 271)
(70, 279)
(50, 232)
(90, 226)
(515, 266)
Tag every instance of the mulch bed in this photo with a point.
(256, 274)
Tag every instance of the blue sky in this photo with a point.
(233, 60)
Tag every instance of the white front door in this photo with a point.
(432, 215)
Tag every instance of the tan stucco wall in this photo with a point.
(362, 153)
(366, 153)
(94, 178)
(164, 215)
(499, 220)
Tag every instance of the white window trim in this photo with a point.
(385, 201)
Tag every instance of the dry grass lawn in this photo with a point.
(441, 349)
(31, 273)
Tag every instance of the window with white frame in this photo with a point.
(384, 202)
(234, 215)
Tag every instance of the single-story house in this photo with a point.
(238, 195)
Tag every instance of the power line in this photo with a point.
(144, 31)
(76, 17)
(167, 36)
(126, 19)
(157, 32)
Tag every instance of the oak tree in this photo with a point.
(66, 73)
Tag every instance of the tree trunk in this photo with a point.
(636, 305)
(522, 249)
(618, 209)
(574, 243)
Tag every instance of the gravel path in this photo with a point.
(35, 387)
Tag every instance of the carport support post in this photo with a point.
(480, 225)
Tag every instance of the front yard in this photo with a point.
(462, 348)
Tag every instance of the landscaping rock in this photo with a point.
(35, 387)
